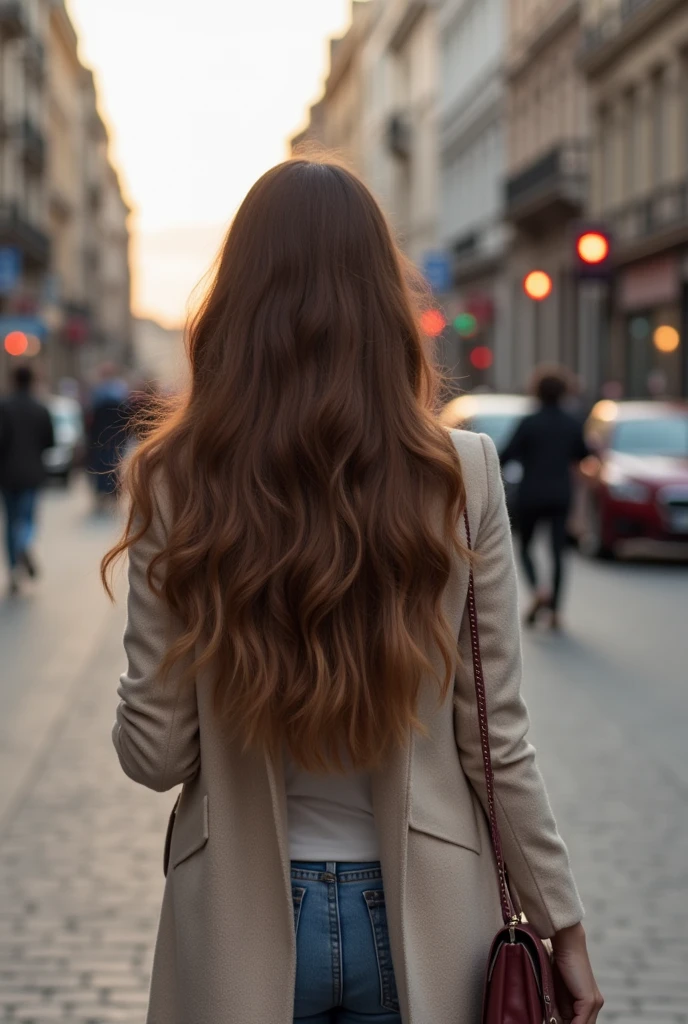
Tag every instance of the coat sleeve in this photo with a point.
(536, 857)
(156, 732)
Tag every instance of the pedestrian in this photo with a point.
(298, 578)
(549, 444)
(26, 431)
(107, 429)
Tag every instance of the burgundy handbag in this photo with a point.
(519, 983)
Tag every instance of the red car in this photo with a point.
(636, 485)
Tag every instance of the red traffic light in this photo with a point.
(16, 343)
(592, 247)
(537, 285)
(481, 357)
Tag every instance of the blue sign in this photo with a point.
(25, 324)
(437, 270)
(10, 268)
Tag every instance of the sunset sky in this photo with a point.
(200, 99)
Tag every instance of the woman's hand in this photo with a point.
(572, 964)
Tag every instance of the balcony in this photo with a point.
(603, 39)
(18, 232)
(32, 144)
(553, 186)
(13, 24)
(653, 222)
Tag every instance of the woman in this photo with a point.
(298, 580)
(548, 444)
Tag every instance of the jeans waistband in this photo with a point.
(335, 871)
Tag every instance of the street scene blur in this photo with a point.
(532, 158)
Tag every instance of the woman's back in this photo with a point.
(299, 657)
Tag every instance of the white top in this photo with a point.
(330, 817)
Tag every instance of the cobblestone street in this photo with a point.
(81, 846)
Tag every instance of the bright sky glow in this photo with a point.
(200, 98)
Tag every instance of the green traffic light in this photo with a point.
(466, 325)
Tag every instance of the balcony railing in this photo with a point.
(17, 231)
(664, 210)
(557, 179)
(13, 23)
(618, 26)
(32, 144)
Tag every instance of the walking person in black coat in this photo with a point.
(26, 430)
(548, 444)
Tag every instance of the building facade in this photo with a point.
(546, 185)
(379, 112)
(635, 56)
(24, 239)
(472, 167)
(401, 82)
(63, 222)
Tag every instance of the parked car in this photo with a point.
(70, 437)
(497, 416)
(636, 485)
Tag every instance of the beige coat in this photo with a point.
(226, 949)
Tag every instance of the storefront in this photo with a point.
(648, 340)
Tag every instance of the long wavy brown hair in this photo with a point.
(313, 497)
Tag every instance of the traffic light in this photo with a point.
(481, 357)
(537, 285)
(592, 251)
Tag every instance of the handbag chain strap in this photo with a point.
(508, 912)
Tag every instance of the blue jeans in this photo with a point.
(344, 972)
(20, 510)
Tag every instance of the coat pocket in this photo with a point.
(189, 831)
(453, 822)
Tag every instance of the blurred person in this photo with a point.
(26, 431)
(548, 443)
(107, 432)
(298, 574)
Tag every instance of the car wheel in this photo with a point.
(592, 540)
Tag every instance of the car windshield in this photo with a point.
(63, 418)
(498, 426)
(668, 437)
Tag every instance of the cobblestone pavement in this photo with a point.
(80, 845)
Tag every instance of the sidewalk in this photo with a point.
(81, 871)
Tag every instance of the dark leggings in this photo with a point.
(556, 520)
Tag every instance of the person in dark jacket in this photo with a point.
(26, 430)
(548, 444)
(107, 433)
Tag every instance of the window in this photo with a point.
(606, 130)
(658, 161)
(632, 154)
(684, 111)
